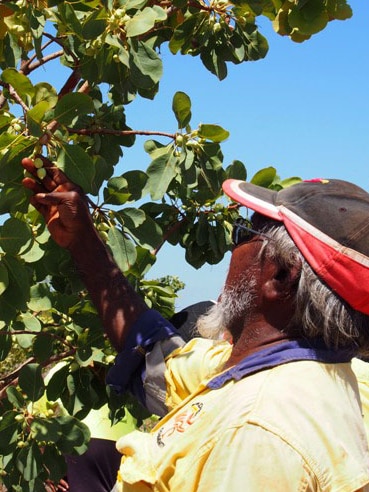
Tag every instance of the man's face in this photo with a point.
(241, 299)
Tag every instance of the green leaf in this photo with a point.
(72, 106)
(84, 355)
(146, 66)
(10, 167)
(285, 183)
(45, 92)
(161, 171)
(6, 139)
(309, 19)
(36, 116)
(181, 106)
(136, 181)
(31, 381)
(236, 170)
(144, 20)
(202, 230)
(32, 252)
(8, 432)
(215, 133)
(15, 397)
(95, 24)
(4, 278)
(13, 198)
(338, 9)
(17, 293)
(21, 83)
(43, 429)
(155, 149)
(68, 17)
(31, 323)
(78, 166)
(29, 462)
(116, 191)
(74, 434)
(145, 260)
(5, 344)
(214, 63)
(264, 177)
(14, 235)
(123, 249)
(132, 217)
(148, 234)
(57, 383)
(40, 298)
(183, 35)
(42, 347)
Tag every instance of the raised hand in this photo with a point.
(61, 202)
(65, 209)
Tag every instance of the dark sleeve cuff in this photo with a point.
(126, 374)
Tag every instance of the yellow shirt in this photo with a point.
(295, 427)
(361, 370)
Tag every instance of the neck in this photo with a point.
(253, 340)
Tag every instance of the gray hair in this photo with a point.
(319, 312)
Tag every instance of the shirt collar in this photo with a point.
(282, 353)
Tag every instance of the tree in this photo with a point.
(110, 53)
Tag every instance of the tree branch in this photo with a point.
(105, 131)
(29, 67)
(14, 95)
(12, 378)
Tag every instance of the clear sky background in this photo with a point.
(304, 109)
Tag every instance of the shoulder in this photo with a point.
(315, 407)
(190, 365)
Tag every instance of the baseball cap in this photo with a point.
(328, 220)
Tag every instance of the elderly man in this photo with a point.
(273, 407)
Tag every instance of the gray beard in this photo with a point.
(233, 307)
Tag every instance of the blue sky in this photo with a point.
(304, 109)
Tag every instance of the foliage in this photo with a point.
(112, 46)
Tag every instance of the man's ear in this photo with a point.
(283, 284)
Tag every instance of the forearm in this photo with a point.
(116, 301)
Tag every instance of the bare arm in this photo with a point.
(65, 209)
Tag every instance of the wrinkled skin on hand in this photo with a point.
(61, 202)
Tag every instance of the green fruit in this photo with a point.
(38, 163)
(104, 235)
(41, 173)
(179, 140)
